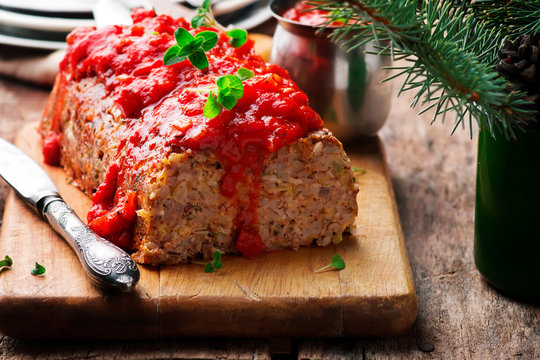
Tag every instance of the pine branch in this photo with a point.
(450, 51)
(516, 16)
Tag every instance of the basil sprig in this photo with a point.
(229, 90)
(191, 47)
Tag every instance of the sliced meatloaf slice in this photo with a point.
(307, 196)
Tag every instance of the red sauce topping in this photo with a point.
(164, 114)
(113, 212)
(51, 149)
(307, 14)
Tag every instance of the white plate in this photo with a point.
(220, 7)
(256, 11)
(254, 17)
(258, 15)
(227, 6)
(31, 43)
(50, 6)
(9, 18)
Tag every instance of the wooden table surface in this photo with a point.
(433, 176)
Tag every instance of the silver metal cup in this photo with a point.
(344, 87)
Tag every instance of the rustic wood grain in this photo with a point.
(460, 316)
(275, 294)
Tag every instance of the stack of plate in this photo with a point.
(44, 24)
(242, 14)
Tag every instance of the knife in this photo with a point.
(107, 266)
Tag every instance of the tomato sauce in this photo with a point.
(308, 14)
(51, 149)
(114, 210)
(164, 113)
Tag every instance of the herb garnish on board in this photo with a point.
(6, 263)
(39, 270)
(337, 263)
(214, 265)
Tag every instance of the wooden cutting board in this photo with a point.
(274, 295)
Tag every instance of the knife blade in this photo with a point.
(106, 265)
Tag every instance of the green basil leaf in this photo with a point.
(221, 94)
(170, 56)
(198, 59)
(229, 85)
(183, 37)
(337, 262)
(190, 48)
(206, 4)
(217, 260)
(38, 270)
(223, 84)
(229, 101)
(7, 262)
(236, 86)
(211, 107)
(197, 21)
(208, 268)
(238, 37)
(245, 74)
(210, 39)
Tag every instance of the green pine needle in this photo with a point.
(516, 17)
(451, 51)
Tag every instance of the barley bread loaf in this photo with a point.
(171, 184)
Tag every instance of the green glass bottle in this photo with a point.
(507, 216)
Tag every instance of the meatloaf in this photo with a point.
(171, 184)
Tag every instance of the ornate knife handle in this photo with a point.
(107, 266)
